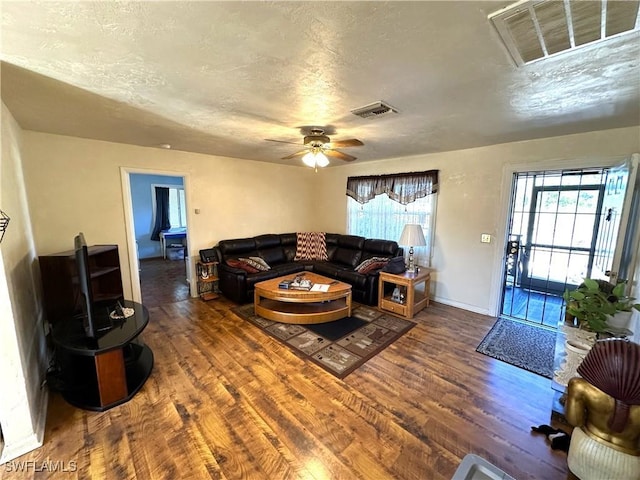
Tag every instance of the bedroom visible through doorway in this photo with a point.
(160, 227)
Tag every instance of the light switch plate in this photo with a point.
(485, 238)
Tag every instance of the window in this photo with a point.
(177, 207)
(378, 216)
(173, 211)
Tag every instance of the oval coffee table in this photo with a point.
(302, 306)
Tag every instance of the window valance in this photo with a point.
(404, 188)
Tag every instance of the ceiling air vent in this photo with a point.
(536, 29)
(377, 109)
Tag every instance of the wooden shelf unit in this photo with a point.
(60, 281)
(207, 273)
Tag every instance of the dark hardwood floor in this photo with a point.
(225, 401)
(163, 281)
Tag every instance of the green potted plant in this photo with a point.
(596, 301)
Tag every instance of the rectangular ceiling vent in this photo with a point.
(536, 29)
(377, 109)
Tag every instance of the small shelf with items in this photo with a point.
(207, 280)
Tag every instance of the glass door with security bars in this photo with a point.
(564, 227)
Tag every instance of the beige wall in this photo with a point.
(75, 185)
(23, 355)
(473, 200)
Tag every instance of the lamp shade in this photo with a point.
(315, 159)
(321, 160)
(412, 236)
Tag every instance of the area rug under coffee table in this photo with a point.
(339, 347)
(526, 346)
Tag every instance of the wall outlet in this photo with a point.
(485, 238)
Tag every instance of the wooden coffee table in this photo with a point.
(302, 306)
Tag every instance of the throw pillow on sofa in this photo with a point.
(371, 264)
(257, 263)
(237, 263)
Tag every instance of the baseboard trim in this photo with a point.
(31, 441)
(463, 306)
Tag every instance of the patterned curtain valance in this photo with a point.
(404, 188)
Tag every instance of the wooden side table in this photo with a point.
(413, 301)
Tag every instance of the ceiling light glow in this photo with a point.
(315, 159)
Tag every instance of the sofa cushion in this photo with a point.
(273, 256)
(237, 263)
(386, 248)
(331, 239)
(260, 277)
(287, 268)
(356, 279)
(237, 247)
(328, 269)
(371, 264)
(289, 243)
(347, 256)
(311, 246)
(351, 241)
(269, 240)
(257, 263)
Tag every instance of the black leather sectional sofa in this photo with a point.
(345, 253)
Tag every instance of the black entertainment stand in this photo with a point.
(102, 373)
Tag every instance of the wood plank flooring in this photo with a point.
(163, 281)
(225, 401)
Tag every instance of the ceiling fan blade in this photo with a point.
(352, 142)
(297, 154)
(340, 155)
(281, 141)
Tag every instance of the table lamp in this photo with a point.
(412, 236)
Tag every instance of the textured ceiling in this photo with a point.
(220, 77)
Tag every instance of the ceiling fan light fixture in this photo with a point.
(321, 160)
(309, 160)
(315, 159)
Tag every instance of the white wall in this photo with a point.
(472, 200)
(74, 185)
(23, 355)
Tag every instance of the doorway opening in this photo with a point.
(563, 227)
(158, 236)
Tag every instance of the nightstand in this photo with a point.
(414, 301)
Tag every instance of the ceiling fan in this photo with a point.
(319, 146)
